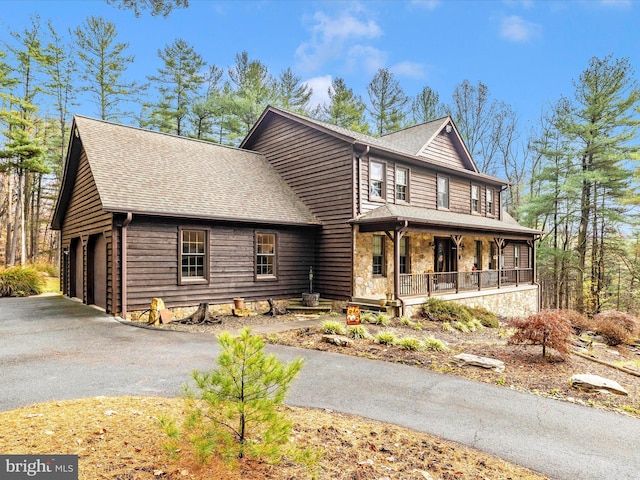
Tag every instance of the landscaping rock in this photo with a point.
(467, 359)
(595, 383)
(339, 340)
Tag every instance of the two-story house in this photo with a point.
(144, 214)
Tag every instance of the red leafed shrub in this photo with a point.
(548, 328)
(614, 326)
(578, 321)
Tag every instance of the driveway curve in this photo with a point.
(53, 348)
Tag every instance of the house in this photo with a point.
(144, 214)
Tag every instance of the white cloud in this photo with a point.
(426, 4)
(616, 3)
(331, 35)
(517, 29)
(409, 69)
(320, 86)
(365, 59)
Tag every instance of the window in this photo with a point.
(475, 199)
(443, 192)
(477, 255)
(378, 255)
(492, 256)
(402, 184)
(404, 255)
(376, 174)
(194, 267)
(265, 254)
(489, 201)
(516, 256)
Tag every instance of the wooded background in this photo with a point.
(573, 174)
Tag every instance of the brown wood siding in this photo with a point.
(152, 264)
(84, 217)
(442, 150)
(319, 168)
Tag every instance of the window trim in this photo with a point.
(406, 185)
(182, 280)
(265, 276)
(448, 192)
(475, 210)
(407, 256)
(383, 181)
(383, 272)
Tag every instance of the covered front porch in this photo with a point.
(472, 260)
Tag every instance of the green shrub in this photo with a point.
(46, 268)
(333, 327)
(446, 326)
(236, 411)
(432, 343)
(358, 331)
(385, 338)
(548, 328)
(382, 319)
(446, 311)
(409, 343)
(484, 316)
(405, 321)
(21, 282)
(368, 317)
(463, 327)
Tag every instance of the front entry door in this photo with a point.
(445, 258)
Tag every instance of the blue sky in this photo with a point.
(527, 52)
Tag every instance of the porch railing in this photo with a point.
(454, 282)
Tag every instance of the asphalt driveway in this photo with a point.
(53, 348)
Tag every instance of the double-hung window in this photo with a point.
(265, 255)
(378, 255)
(475, 199)
(376, 180)
(194, 254)
(443, 192)
(402, 184)
(490, 201)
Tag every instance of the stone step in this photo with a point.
(295, 305)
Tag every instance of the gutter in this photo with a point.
(123, 261)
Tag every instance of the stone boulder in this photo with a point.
(595, 383)
(467, 359)
(339, 340)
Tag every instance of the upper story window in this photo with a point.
(475, 199)
(443, 192)
(490, 201)
(265, 254)
(378, 255)
(402, 184)
(376, 180)
(194, 252)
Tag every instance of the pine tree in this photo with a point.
(102, 65)
(178, 83)
(388, 102)
(345, 108)
(292, 94)
(426, 106)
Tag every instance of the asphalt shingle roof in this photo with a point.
(427, 216)
(149, 172)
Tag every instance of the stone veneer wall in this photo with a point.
(506, 302)
(421, 254)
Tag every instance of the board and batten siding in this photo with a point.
(85, 217)
(152, 264)
(319, 169)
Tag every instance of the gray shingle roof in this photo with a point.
(149, 172)
(413, 139)
(427, 216)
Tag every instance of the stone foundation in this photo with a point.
(507, 302)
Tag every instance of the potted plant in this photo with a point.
(310, 299)
(238, 303)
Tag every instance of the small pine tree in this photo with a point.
(240, 413)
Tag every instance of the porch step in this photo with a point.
(295, 305)
(372, 305)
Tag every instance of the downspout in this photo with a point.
(364, 153)
(123, 261)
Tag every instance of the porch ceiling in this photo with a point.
(390, 217)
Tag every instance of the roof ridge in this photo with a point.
(166, 134)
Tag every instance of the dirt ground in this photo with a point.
(120, 439)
